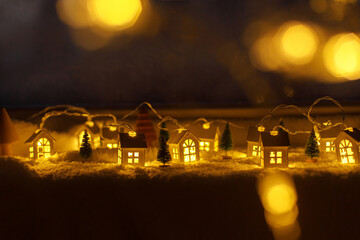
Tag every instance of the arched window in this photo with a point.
(43, 148)
(346, 151)
(189, 150)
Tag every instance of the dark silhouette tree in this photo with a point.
(312, 147)
(226, 141)
(85, 149)
(163, 133)
(163, 152)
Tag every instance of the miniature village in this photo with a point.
(139, 145)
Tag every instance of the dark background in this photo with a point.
(183, 53)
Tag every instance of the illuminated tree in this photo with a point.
(163, 133)
(163, 152)
(226, 141)
(85, 149)
(312, 147)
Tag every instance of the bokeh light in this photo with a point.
(115, 14)
(298, 42)
(278, 196)
(73, 12)
(342, 56)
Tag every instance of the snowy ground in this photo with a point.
(53, 199)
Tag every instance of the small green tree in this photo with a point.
(312, 147)
(163, 154)
(85, 149)
(226, 141)
(163, 133)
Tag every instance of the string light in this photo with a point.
(132, 133)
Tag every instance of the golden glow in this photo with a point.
(342, 56)
(205, 146)
(90, 123)
(261, 128)
(206, 125)
(81, 136)
(112, 128)
(109, 146)
(264, 54)
(133, 157)
(43, 148)
(189, 150)
(132, 133)
(278, 196)
(346, 151)
(274, 133)
(298, 42)
(115, 14)
(318, 6)
(73, 12)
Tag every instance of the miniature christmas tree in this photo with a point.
(8, 133)
(163, 152)
(226, 141)
(145, 125)
(312, 147)
(163, 133)
(85, 149)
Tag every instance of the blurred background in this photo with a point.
(114, 53)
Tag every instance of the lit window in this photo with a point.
(136, 154)
(130, 160)
(255, 151)
(119, 156)
(175, 153)
(189, 150)
(114, 145)
(327, 144)
(31, 154)
(109, 146)
(276, 157)
(31, 150)
(133, 157)
(346, 151)
(130, 154)
(205, 146)
(43, 148)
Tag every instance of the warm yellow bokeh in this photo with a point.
(281, 199)
(114, 14)
(342, 56)
(73, 12)
(264, 55)
(298, 42)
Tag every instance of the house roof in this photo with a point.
(355, 134)
(126, 141)
(253, 134)
(107, 134)
(198, 130)
(331, 133)
(282, 139)
(36, 134)
(176, 137)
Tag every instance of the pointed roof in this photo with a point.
(198, 130)
(37, 133)
(355, 134)
(110, 135)
(280, 140)
(253, 134)
(331, 133)
(7, 130)
(176, 137)
(126, 141)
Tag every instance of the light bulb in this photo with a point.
(206, 125)
(261, 128)
(132, 133)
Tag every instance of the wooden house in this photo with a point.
(274, 149)
(252, 141)
(41, 144)
(347, 146)
(131, 149)
(184, 147)
(208, 136)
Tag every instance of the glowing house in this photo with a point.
(41, 144)
(109, 139)
(131, 149)
(252, 141)
(347, 146)
(184, 147)
(326, 140)
(274, 149)
(209, 136)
